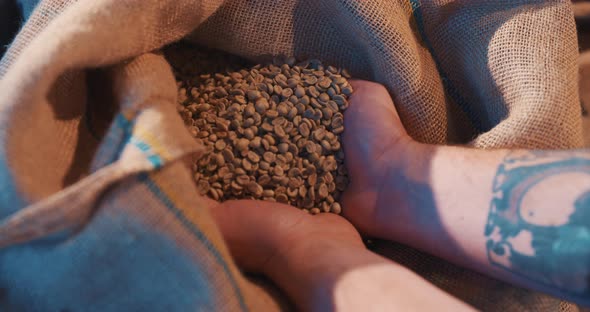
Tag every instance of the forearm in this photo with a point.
(335, 279)
(451, 191)
(520, 216)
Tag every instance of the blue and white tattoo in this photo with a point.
(525, 236)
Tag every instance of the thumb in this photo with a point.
(373, 133)
(372, 100)
(372, 123)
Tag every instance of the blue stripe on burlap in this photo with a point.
(195, 231)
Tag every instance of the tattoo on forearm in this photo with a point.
(526, 235)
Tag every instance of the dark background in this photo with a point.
(10, 20)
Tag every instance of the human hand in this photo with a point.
(320, 261)
(486, 210)
(301, 253)
(378, 152)
(259, 233)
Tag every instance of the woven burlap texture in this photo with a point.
(489, 74)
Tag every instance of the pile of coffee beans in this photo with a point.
(271, 132)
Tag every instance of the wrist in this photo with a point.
(308, 272)
(405, 193)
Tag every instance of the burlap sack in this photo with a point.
(104, 211)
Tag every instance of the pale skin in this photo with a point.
(519, 216)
